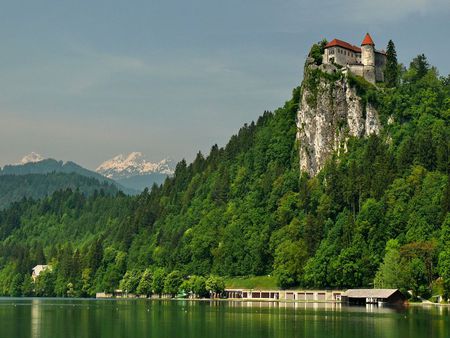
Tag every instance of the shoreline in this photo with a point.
(235, 300)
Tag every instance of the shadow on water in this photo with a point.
(34, 317)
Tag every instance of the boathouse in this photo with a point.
(288, 295)
(373, 296)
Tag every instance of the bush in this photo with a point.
(172, 283)
(215, 284)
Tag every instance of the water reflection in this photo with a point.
(35, 318)
(240, 319)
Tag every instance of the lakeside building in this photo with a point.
(290, 295)
(373, 296)
(351, 296)
(38, 269)
(363, 61)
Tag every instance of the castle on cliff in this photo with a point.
(364, 61)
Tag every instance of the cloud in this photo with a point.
(373, 12)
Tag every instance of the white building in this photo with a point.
(38, 269)
(364, 61)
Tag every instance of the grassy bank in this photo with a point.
(253, 282)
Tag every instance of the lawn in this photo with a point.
(252, 282)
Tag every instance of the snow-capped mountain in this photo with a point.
(133, 164)
(31, 158)
(135, 170)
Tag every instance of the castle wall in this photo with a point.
(357, 69)
(369, 73)
(341, 56)
(368, 55)
(380, 63)
(368, 64)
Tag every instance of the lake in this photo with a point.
(53, 318)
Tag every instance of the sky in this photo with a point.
(87, 80)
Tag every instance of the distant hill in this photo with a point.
(135, 171)
(49, 165)
(14, 188)
(35, 164)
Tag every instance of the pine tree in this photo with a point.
(420, 65)
(391, 73)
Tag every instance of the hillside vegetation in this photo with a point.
(377, 213)
(14, 188)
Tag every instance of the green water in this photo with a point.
(55, 318)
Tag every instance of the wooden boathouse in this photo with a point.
(373, 296)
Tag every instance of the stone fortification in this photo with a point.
(364, 61)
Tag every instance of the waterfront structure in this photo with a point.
(38, 269)
(289, 295)
(363, 61)
(373, 296)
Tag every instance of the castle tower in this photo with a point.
(368, 58)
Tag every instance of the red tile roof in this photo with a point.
(343, 44)
(367, 40)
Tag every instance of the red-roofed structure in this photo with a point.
(364, 61)
(343, 44)
(367, 40)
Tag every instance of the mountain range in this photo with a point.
(130, 173)
(135, 171)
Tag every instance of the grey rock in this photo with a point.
(325, 124)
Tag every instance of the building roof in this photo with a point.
(367, 40)
(369, 293)
(343, 44)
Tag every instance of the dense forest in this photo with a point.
(377, 214)
(14, 188)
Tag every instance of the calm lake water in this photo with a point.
(55, 318)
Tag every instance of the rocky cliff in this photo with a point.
(331, 110)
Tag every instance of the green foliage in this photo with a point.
(27, 286)
(290, 258)
(407, 267)
(145, 286)
(391, 71)
(215, 284)
(133, 279)
(388, 275)
(251, 282)
(196, 285)
(245, 210)
(173, 282)
(14, 188)
(444, 271)
(159, 277)
(45, 284)
(312, 81)
(365, 90)
(419, 67)
(317, 50)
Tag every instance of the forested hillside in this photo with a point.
(40, 180)
(14, 188)
(377, 213)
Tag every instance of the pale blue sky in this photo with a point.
(86, 80)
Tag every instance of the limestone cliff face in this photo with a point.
(330, 111)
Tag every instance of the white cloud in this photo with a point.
(378, 11)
